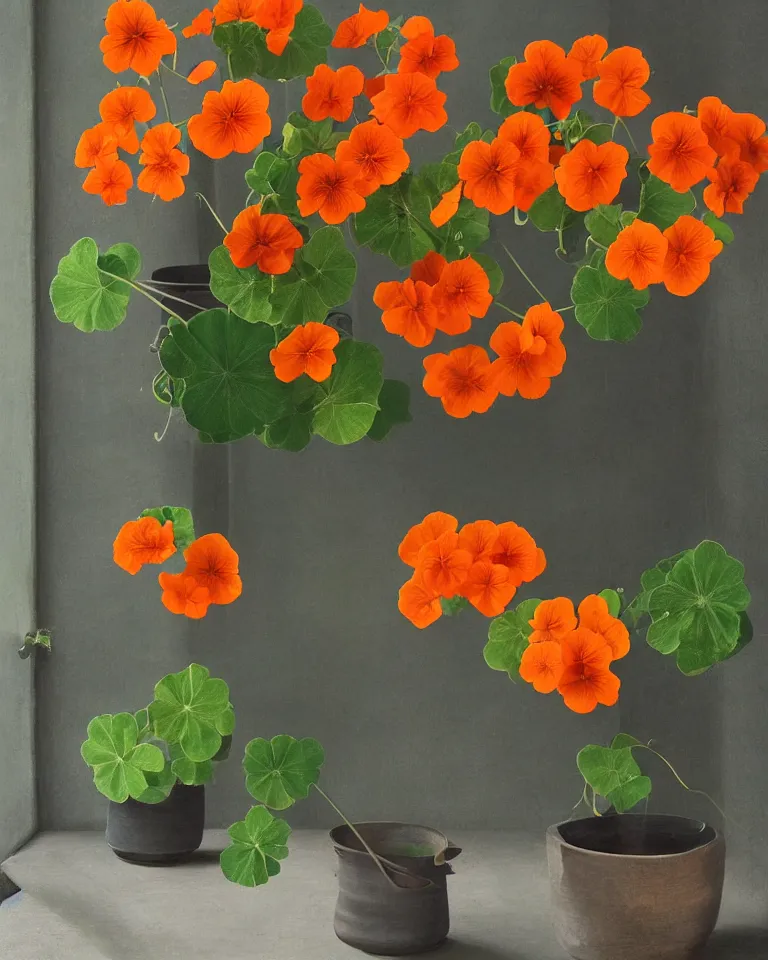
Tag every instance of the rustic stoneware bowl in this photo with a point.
(634, 887)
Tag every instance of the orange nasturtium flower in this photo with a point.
(715, 117)
(448, 206)
(479, 538)
(546, 78)
(202, 72)
(529, 354)
(680, 153)
(542, 665)
(529, 134)
(732, 182)
(378, 153)
(638, 255)
(329, 187)
(183, 595)
(443, 566)
(462, 292)
(202, 25)
(462, 379)
(164, 164)
(591, 174)
(213, 563)
(111, 179)
(425, 53)
(749, 133)
(553, 620)
(408, 310)
(227, 11)
(489, 172)
(136, 39)
(430, 268)
(418, 603)
(96, 143)
(121, 109)
(374, 85)
(692, 247)
(331, 93)
(265, 240)
(623, 74)
(410, 102)
(588, 52)
(358, 29)
(595, 616)
(489, 587)
(586, 679)
(143, 541)
(516, 549)
(434, 525)
(233, 120)
(307, 349)
(278, 18)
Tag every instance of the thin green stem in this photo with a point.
(215, 215)
(149, 296)
(230, 71)
(173, 71)
(159, 437)
(522, 272)
(631, 138)
(613, 128)
(503, 306)
(676, 775)
(560, 227)
(165, 99)
(168, 296)
(357, 833)
(519, 222)
(565, 309)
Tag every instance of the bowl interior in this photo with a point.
(637, 835)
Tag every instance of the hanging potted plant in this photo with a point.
(695, 605)
(247, 349)
(393, 897)
(153, 766)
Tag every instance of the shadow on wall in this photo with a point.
(737, 944)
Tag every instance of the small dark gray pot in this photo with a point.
(158, 833)
(405, 914)
(635, 887)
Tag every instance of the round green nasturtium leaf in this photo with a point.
(604, 223)
(192, 709)
(547, 211)
(613, 773)
(394, 408)
(323, 277)
(493, 270)
(183, 523)
(292, 433)
(192, 774)
(500, 102)
(349, 399)
(245, 292)
(259, 843)
(719, 227)
(649, 581)
(696, 613)
(613, 600)
(280, 771)
(508, 639)
(118, 760)
(396, 222)
(661, 205)
(230, 385)
(82, 294)
(607, 307)
(159, 785)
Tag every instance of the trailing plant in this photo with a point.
(268, 364)
(34, 641)
(211, 571)
(177, 739)
(278, 772)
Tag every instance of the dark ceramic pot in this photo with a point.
(158, 833)
(192, 283)
(635, 887)
(405, 912)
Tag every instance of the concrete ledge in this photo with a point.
(79, 901)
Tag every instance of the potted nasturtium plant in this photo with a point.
(153, 765)
(250, 346)
(693, 607)
(393, 896)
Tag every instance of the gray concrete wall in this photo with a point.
(614, 469)
(17, 386)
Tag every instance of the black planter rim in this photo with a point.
(190, 276)
(713, 836)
